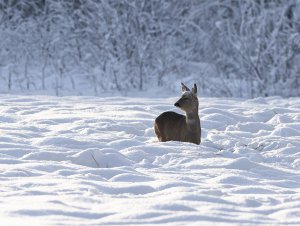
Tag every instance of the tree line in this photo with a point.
(236, 48)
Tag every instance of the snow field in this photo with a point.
(96, 161)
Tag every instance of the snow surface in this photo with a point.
(96, 161)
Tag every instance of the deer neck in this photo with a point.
(192, 120)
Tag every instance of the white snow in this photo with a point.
(96, 161)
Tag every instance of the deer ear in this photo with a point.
(184, 88)
(194, 89)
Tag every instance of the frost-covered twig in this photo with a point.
(98, 165)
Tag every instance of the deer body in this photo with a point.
(171, 126)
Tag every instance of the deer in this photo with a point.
(171, 126)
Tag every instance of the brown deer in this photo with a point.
(172, 126)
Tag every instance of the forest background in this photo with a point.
(244, 48)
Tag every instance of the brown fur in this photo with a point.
(173, 126)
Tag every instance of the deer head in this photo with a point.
(188, 101)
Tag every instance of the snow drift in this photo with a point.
(92, 161)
